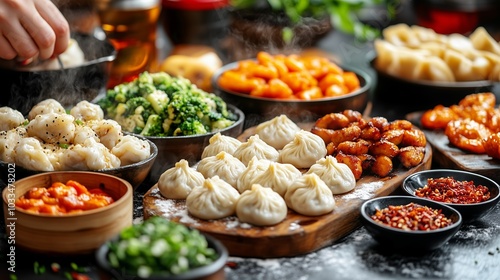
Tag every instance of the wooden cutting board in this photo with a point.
(297, 234)
(446, 155)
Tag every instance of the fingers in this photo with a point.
(57, 24)
(32, 29)
(20, 41)
(8, 52)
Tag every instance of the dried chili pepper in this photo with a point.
(450, 190)
(412, 216)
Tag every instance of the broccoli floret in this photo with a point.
(190, 127)
(221, 124)
(153, 126)
(159, 101)
(139, 105)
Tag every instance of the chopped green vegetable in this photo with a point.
(159, 246)
(157, 104)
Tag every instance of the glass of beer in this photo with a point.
(131, 26)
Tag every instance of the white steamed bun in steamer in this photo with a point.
(278, 176)
(224, 165)
(336, 175)
(10, 118)
(254, 168)
(218, 143)
(178, 181)
(305, 149)
(310, 196)
(261, 206)
(255, 147)
(278, 131)
(215, 199)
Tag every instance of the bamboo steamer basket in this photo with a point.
(75, 233)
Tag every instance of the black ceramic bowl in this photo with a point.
(417, 95)
(404, 240)
(470, 212)
(214, 271)
(134, 173)
(23, 89)
(171, 149)
(258, 109)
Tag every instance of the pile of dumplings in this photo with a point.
(419, 53)
(50, 139)
(280, 167)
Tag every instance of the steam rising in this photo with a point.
(253, 32)
(24, 89)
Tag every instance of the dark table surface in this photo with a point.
(473, 253)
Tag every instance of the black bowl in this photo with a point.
(24, 89)
(417, 95)
(403, 240)
(134, 173)
(171, 149)
(258, 109)
(213, 271)
(469, 212)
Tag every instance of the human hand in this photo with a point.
(31, 29)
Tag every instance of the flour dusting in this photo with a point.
(364, 191)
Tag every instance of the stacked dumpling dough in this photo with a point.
(269, 176)
(51, 139)
(418, 53)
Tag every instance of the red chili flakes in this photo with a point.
(412, 216)
(449, 190)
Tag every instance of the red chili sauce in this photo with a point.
(449, 190)
(411, 217)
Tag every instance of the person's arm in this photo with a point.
(32, 29)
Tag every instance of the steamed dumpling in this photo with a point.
(467, 69)
(90, 155)
(46, 106)
(10, 118)
(52, 128)
(8, 142)
(336, 175)
(278, 176)
(305, 149)
(178, 181)
(87, 111)
(310, 196)
(255, 147)
(223, 165)
(254, 168)
(278, 131)
(215, 199)
(82, 133)
(131, 149)
(261, 206)
(483, 41)
(30, 155)
(219, 143)
(108, 131)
